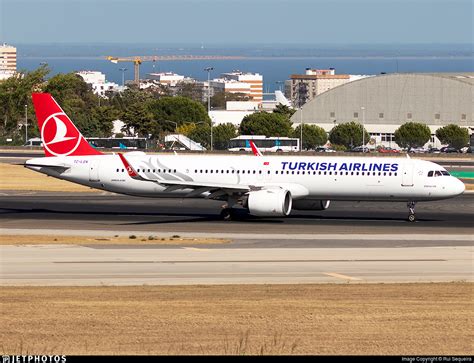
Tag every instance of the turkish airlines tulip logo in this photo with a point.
(58, 138)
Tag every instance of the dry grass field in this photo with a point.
(116, 240)
(368, 319)
(17, 177)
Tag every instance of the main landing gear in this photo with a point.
(227, 214)
(411, 215)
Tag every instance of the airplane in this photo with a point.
(266, 186)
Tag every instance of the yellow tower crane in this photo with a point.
(136, 64)
(138, 60)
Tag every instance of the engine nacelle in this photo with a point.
(269, 202)
(311, 204)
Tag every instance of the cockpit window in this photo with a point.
(437, 173)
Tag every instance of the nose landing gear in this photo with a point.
(411, 215)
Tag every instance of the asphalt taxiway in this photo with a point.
(350, 242)
(105, 211)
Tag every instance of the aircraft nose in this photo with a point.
(457, 187)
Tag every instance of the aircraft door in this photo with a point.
(94, 171)
(407, 177)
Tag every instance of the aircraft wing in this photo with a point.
(199, 187)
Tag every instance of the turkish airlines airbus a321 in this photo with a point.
(264, 185)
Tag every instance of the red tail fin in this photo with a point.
(59, 135)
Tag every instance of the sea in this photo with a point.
(275, 63)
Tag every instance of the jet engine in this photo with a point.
(311, 204)
(269, 202)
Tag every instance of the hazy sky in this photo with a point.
(243, 21)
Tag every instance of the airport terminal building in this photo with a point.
(385, 102)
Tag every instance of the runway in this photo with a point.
(351, 242)
(78, 265)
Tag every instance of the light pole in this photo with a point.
(208, 70)
(363, 130)
(123, 75)
(301, 128)
(175, 128)
(26, 124)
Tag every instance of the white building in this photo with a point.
(7, 61)
(7, 58)
(249, 84)
(98, 82)
(302, 88)
(166, 78)
(224, 116)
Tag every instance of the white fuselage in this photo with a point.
(306, 177)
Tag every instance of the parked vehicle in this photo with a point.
(449, 149)
(417, 150)
(434, 150)
(322, 149)
(388, 150)
(359, 149)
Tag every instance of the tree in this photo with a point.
(284, 110)
(264, 123)
(313, 136)
(15, 93)
(202, 134)
(412, 134)
(70, 86)
(139, 120)
(189, 90)
(221, 135)
(177, 109)
(103, 118)
(348, 134)
(453, 135)
(220, 98)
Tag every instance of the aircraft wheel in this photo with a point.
(411, 218)
(226, 214)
